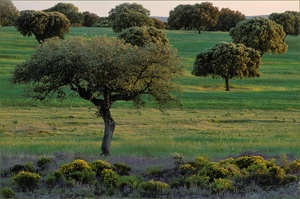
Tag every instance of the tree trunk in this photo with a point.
(227, 85)
(109, 128)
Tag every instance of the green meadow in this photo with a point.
(259, 115)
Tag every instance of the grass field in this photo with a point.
(257, 115)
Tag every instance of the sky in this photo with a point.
(162, 8)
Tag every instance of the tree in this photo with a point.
(261, 34)
(89, 19)
(140, 36)
(227, 61)
(289, 20)
(70, 11)
(204, 15)
(228, 19)
(8, 13)
(102, 71)
(41, 24)
(157, 23)
(128, 15)
(180, 17)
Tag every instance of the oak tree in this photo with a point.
(140, 36)
(101, 70)
(42, 25)
(228, 61)
(261, 34)
(128, 15)
(228, 19)
(8, 13)
(70, 11)
(89, 19)
(290, 21)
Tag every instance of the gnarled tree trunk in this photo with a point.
(109, 128)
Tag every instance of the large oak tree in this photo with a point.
(261, 34)
(128, 15)
(228, 61)
(8, 13)
(42, 25)
(290, 21)
(102, 71)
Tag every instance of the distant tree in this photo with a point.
(70, 11)
(140, 36)
(102, 71)
(290, 21)
(261, 34)
(102, 22)
(228, 61)
(157, 23)
(180, 17)
(205, 15)
(42, 25)
(8, 13)
(89, 19)
(228, 19)
(128, 15)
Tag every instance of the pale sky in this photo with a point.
(162, 8)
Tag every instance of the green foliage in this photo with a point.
(128, 184)
(89, 19)
(140, 36)
(159, 24)
(109, 178)
(78, 170)
(178, 159)
(221, 185)
(201, 161)
(99, 165)
(43, 162)
(27, 181)
(7, 192)
(198, 16)
(261, 34)
(41, 24)
(70, 11)
(290, 21)
(8, 13)
(228, 60)
(28, 166)
(153, 188)
(122, 169)
(228, 19)
(128, 15)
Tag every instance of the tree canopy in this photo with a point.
(128, 15)
(261, 34)
(140, 36)
(42, 25)
(228, 61)
(290, 20)
(198, 16)
(89, 19)
(102, 71)
(70, 11)
(8, 13)
(228, 19)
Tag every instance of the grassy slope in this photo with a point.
(259, 114)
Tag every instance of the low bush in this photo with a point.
(99, 165)
(152, 189)
(7, 192)
(27, 181)
(43, 162)
(122, 169)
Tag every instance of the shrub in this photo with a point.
(7, 192)
(43, 162)
(78, 170)
(109, 177)
(294, 167)
(201, 161)
(122, 169)
(27, 181)
(216, 170)
(221, 185)
(187, 169)
(99, 165)
(178, 159)
(153, 188)
(28, 166)
(127, 184)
